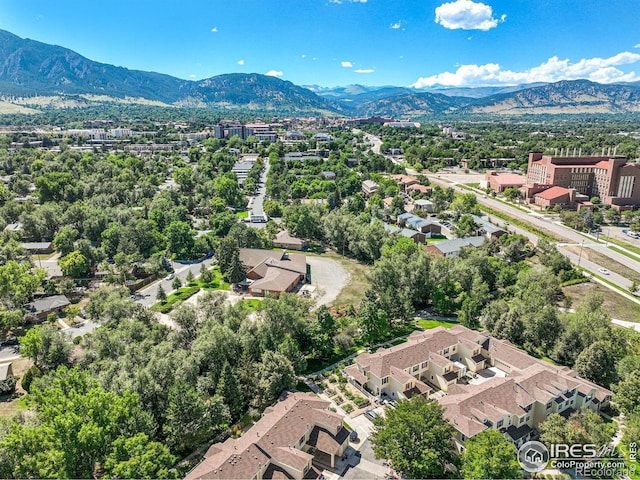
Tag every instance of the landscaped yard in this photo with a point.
(180, 295)
(346, 396)
(430, 323)
(242, 214)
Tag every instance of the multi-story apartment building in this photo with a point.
(611, 178)
(282, 444)
(481, 381)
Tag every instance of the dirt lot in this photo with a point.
(329, 276)
(615, 305)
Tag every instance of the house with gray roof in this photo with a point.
(451, 248)
(39, 309)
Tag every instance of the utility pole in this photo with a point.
(580, 256)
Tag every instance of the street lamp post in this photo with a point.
(580, 256)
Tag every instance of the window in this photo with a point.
(548, 405)
(446, 350)
(499, 424)
(301, 441)
(385, 380)
(415, 368)
(424, 364)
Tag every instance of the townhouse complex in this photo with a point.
(282, 444)
(481, 381)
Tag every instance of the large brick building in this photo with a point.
(611, 178)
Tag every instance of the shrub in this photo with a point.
(77, 340)
(348, 408)
(8, 385)
(31, 374)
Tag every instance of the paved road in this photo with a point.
(147, 296)
(257, 202)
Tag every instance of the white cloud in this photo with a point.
(637, 46)
(338, 2)
(467, 15)
(303, 56)
(192, 76)
(364, 70)
(346, 64)
(214, 29)
(397, 25)
(274, 73)
(240, 62)
(601, 70)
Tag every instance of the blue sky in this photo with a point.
(342, 42)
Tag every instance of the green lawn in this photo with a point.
(428, 324)
(242, 214)
(251, 304)
(176, 298)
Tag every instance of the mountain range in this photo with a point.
(34, 75)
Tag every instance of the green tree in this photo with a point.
(490, 455)
(139, 457)
(161, 295)
(626, 394)
(46, 347)
(275, 374)
(64, 240)
(74, 426)
(229, 390)
(417, 439)
(597, 363)
(180, 240)
(190, 419)
(236, 272)
(75, 264)
(176, 283)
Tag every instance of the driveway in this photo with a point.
(329, 278)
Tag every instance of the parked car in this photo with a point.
(371, 415)
(353, 436)
(169, 277)
(603, 271)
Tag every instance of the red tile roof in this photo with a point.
(553, 193)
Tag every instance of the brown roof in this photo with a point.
(325, 441)
(354, 372)
(276, 280)
(284, 237)
(276, 435)
(418, 188)
(412, 352)
(252, 257)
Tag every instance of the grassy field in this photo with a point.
(615, 305)
(628, 246)
(607, 263)
(430, 323)
(242, 214)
